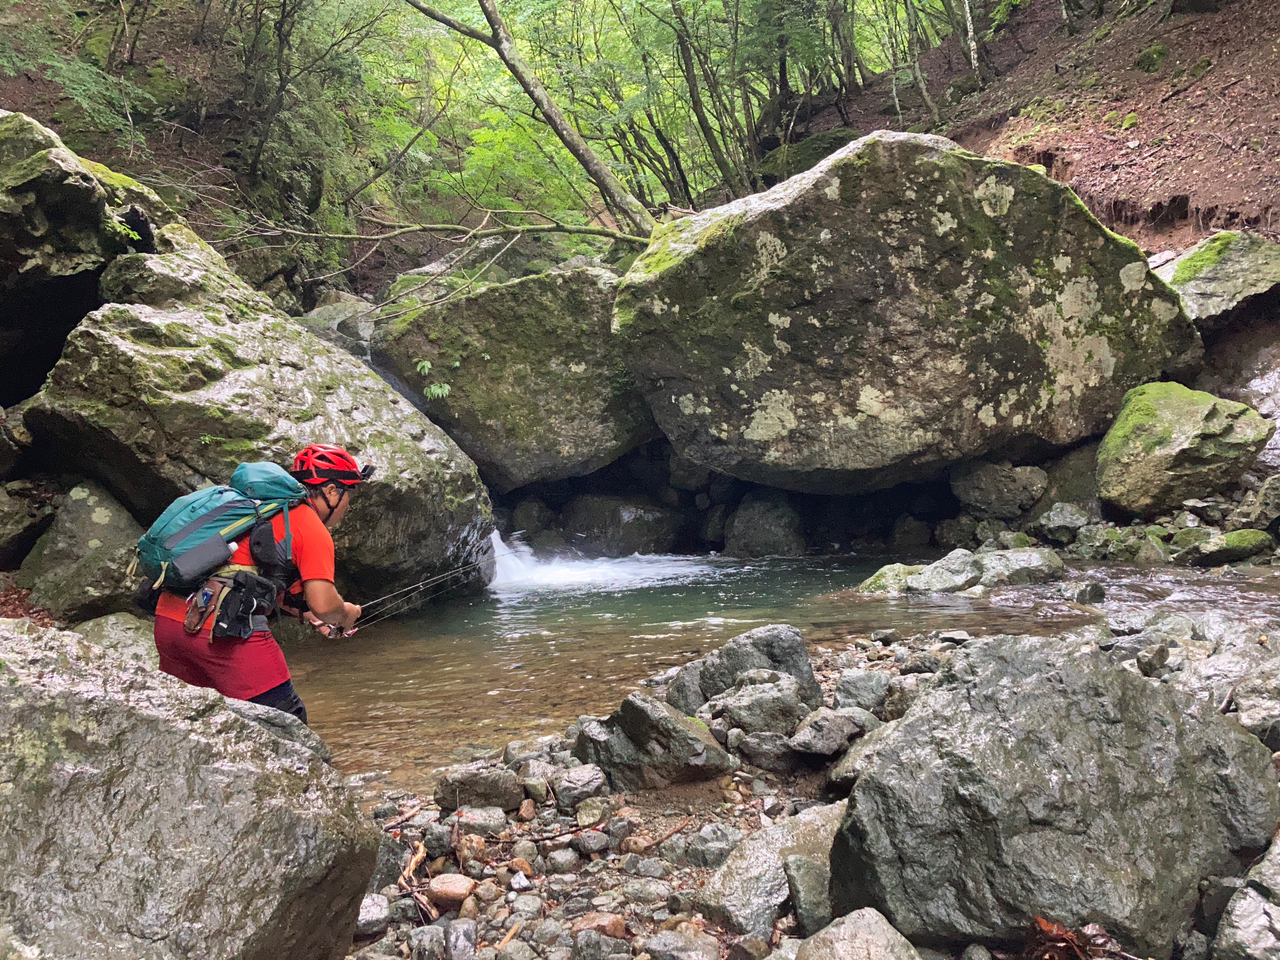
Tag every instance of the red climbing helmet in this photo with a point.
(319, 463)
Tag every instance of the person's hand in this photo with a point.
(351, 613)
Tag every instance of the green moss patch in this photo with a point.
(1152, 59)
(1205, 257)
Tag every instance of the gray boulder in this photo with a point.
(746, 892)
(1071, 480)
(865, 689)
(22, 521)
(229, 379)
(150, 820)
(863, 933)
(1250, 926)
(1171, 444)
(712, 844)
(675, 945)
(961, 569)
(1227, 548)
(577, 784)
(1257, 700)
(1022, 565)
(124, 635)
(62, 219)
(1006, 791)
(1061, 522)
(827, 732)
(998, 490)
(808, 883)
(784, 366)
(478, 785)
(1222, 272)
(774, 647)
(536, 386)
(763, 701)
(764, 525)
(79, 569)
(647, 744)
(608, 526)
(957, 571)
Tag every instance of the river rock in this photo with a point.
(784, 364)
(147, 819)
(448, 891)
(764, 525)
(224, 378)
(1222, 272)
(1250, 927)
(674, 945)
(1257, 698)
(22, 521)
(62, 219)
(536, 386)
(124, 635)
(1060, 523)
(808, 880)
(478, 785)
(958, 570)
(762, 701)
(774, 647)
(998, 490)
(863, 933)
(1007, 790)
(78, 569)
(712, 844)
(891, 578)
(1023, 565)
(864, 689)
(1071, 479)
(746, 892)
(827, 732)
(609, 526)
(1227, 548)
(647, 744)
(577, 784)
(1170, 444)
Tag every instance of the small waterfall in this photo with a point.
(512, 563)
(516, 570)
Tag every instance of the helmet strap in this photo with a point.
(324, 495)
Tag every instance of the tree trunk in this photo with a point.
(973, 39)
(913, 42)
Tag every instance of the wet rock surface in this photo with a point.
(157, 822)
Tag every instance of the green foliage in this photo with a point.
(1000, 15)
(433, 391)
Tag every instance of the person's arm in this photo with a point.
(327, 604)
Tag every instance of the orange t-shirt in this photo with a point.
(312, 555)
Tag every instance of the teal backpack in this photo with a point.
(197, 533)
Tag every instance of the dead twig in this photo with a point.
(510, 934)
(403, 818)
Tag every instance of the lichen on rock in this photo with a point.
(902, 306)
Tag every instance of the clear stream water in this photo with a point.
(553, 640)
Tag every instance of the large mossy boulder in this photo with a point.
(1222, 273)
(149, 820)
(62, 220)
(190, 372)
(1170, 444)
(1039, 778)
(902, 306)
(523, 375)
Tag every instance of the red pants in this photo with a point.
(236, 668)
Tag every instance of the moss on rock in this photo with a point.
(1170, 443)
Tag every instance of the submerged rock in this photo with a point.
(150, 820)
(536, 386)
(1170, 444)
(795, 363)
(191, 372)
(1010, 787)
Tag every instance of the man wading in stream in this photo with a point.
(254, 668)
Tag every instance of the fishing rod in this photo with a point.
(410, 596)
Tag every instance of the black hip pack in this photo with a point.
(249, 598)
